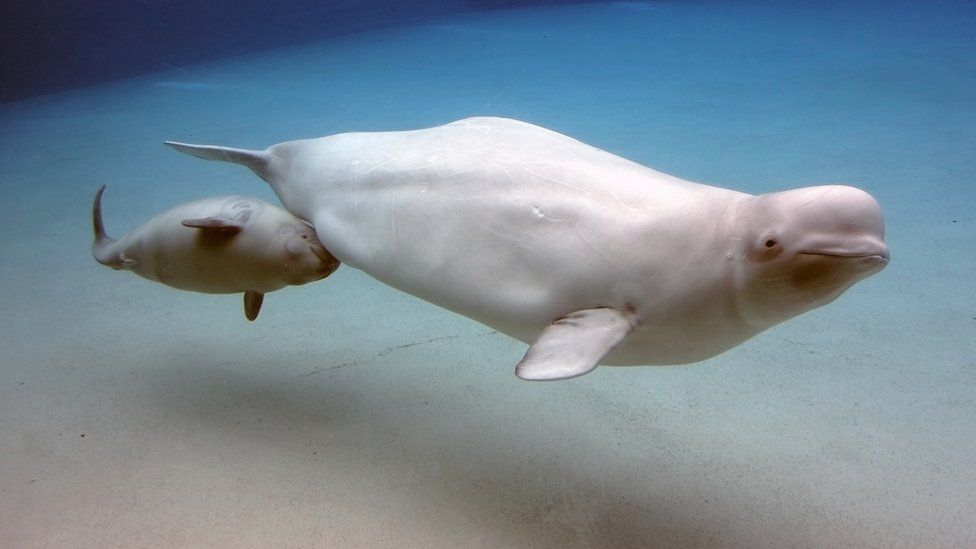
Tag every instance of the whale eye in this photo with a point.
(770, 243)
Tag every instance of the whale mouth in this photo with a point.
(882, 256)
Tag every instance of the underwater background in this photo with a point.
(353, 415)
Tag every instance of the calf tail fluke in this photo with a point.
(258, 161)
(102, 243)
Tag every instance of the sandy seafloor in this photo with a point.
(352, 415)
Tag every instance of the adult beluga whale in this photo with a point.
(588, 257)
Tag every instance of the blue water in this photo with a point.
(350, 414)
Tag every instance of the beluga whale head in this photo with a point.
(800, 249)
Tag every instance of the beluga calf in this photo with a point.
(588, 257)
(218, 245)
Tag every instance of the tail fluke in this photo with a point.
(258, 161)
(102, 245)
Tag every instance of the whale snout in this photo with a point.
(881, 255)
(848, 224)
(329, 262)
(877, 261)
(324, 262)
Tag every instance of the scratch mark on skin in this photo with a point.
(600, 254)
(556, 181)
(814, 199)
(390, 350)
(374, 167)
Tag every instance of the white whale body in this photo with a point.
(588, 257)
(218, 245)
